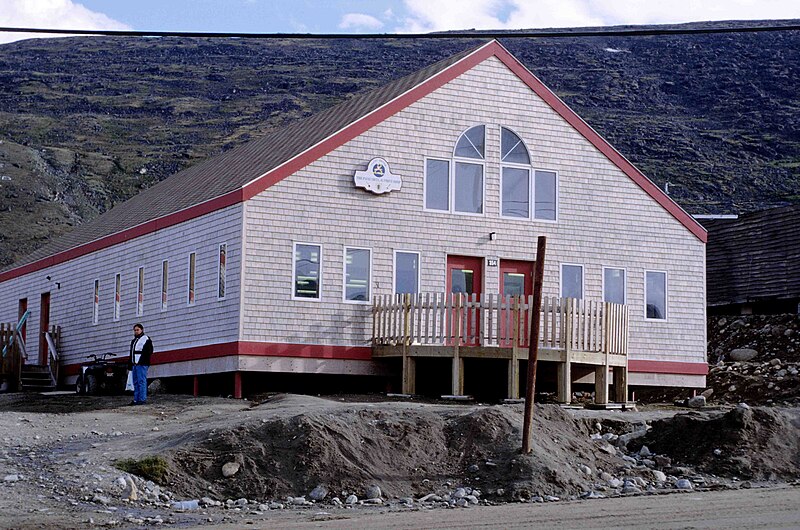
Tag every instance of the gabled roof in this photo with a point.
(247, 170)
(754, 258)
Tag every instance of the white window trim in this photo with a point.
(219, 267)
(294, 272)
(486, 127)
(344, 277)
(561, 279)
(530, 191)
(189, 302)
(624, 283)
(164, 288)
(666, 296)
(533, 195)
(394, 267)
(96, 304)
(425, 184)
(476, 162)
(117, 313)
(139, 286)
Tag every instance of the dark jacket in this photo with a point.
(145, 351)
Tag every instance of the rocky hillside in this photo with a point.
(87, 122)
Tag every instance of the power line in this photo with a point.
(444, 35)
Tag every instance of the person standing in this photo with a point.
(141, 350)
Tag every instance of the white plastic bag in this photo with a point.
(129, 383)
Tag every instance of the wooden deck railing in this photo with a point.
(492, 320)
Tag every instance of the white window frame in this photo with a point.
(191, 279)
(561, 279)
(139, 291)
(394, 268)
(344, 276)
(425, 184)
(624, 283)
(164, 294)
(220, 270)
(666, 296)
(530, 191)
(475, 162)
(533, 195)
(117, 296)
(96, 302)
(294, 272)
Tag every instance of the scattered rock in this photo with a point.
(318, 493)
(684, 484)
(351, 499)
(696, 402)
(373, 491)
(230, 469)
(193, 504)
(742, 354)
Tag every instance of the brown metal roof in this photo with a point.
(233, 169)
(754, 258)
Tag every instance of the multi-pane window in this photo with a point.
(571, 281)
(655, 293)
(357, 265)
(96, 303)
(614, 285)
(164, 284)
(406, 272)
(307, 277)
(516, 175)
(223, 259)
(190, 294)
(140, 292)
(458, 187)
(117, 295)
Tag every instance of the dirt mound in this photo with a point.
(758, 443)
(407, 452)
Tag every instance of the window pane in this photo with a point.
(306, 271)
(437, 185)
(356, 286)
(164, 283)
(192, 265)
(469, 188)
(513, 284)
(656, 295)
(471, 144)
(545, 195)
(140, 293)
(614, 286)
(223, 261)
(461, 281)
(516, 194)
(512, 148)
(571, 281)
(406, 272)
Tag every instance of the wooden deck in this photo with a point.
(492, 326)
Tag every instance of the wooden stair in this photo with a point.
(36, 378)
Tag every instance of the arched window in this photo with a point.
(517, 193)
(458, 186)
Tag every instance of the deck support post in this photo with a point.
(601, 385)
(196, 386)
(237, 385)
(513, 364)
(621, 384)
(458, 363)
(564, 371)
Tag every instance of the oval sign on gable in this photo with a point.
(377, 178)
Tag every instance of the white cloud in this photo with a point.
(425, 15)
(50, 14)
(359, 21)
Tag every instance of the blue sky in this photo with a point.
(372, 16)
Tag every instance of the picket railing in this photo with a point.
(493, 320)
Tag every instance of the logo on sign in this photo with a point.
(378, 178)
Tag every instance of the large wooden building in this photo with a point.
(283, 255)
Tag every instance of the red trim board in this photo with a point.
(355, 353)
(361, 125)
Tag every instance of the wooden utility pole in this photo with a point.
(533, 344)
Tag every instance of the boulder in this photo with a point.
(230, 469)
(697, 402)
(318, 493)
(742, 354)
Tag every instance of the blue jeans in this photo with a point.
(140, 383)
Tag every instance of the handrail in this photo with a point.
(52, 337)
(499, 321)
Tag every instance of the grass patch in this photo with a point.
(152, 468)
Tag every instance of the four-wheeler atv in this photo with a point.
(102, 376)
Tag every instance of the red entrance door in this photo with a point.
(44, 325)
(516, 279)
(465, 276)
